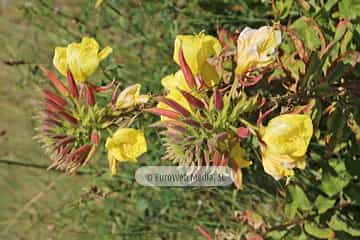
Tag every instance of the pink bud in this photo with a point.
(243, 132)
(189, 77)
(95, 137)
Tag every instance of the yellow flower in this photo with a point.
(256, 48)
(130, 97)
(287, 138)
(237, 154)
(98, 3)
(174, 81)
(127, 144)
(82, 59)
(197, 50)
(174, 94)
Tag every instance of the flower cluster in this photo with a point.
(207, 110)
(72, 122)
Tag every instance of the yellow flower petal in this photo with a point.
(82, 59)
(289, 134)
(273, 167)
(174, 81)
(126, 144)
(98, 3)
(237, 154)
(104, 53)
(197, 50)
(287, 138)
(256, 48)
(59, 60)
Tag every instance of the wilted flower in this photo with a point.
(130, 97)
(127, 144)
(256, 48)
(197, 49)
(286, 141)
(81, 59)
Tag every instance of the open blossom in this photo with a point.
(130, 97)
(127, 144)
(174, 81)
(81, 59)
(256, 48)
(197, 50)
(287, 138)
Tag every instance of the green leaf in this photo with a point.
(276, 234)
(349, 9)
(321, 233)
(323, 204)
(338, 225)
(306, 33)
(334, 181)
(299, 201)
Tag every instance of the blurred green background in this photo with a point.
(40, 204)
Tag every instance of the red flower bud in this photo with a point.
(164, 112)
(56, 82)
(224, 160)
(54, 98)
(192, 122)
(90, 96)
(217, 158)
(95, 137)
(72, 85)
(193, 101)
(189, 77)
(218, 101)
(68, 117)
(243, 132)
(174, 105)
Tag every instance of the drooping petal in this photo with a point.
(60, 60)
(104, 53)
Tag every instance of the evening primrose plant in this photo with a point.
(277, 103)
